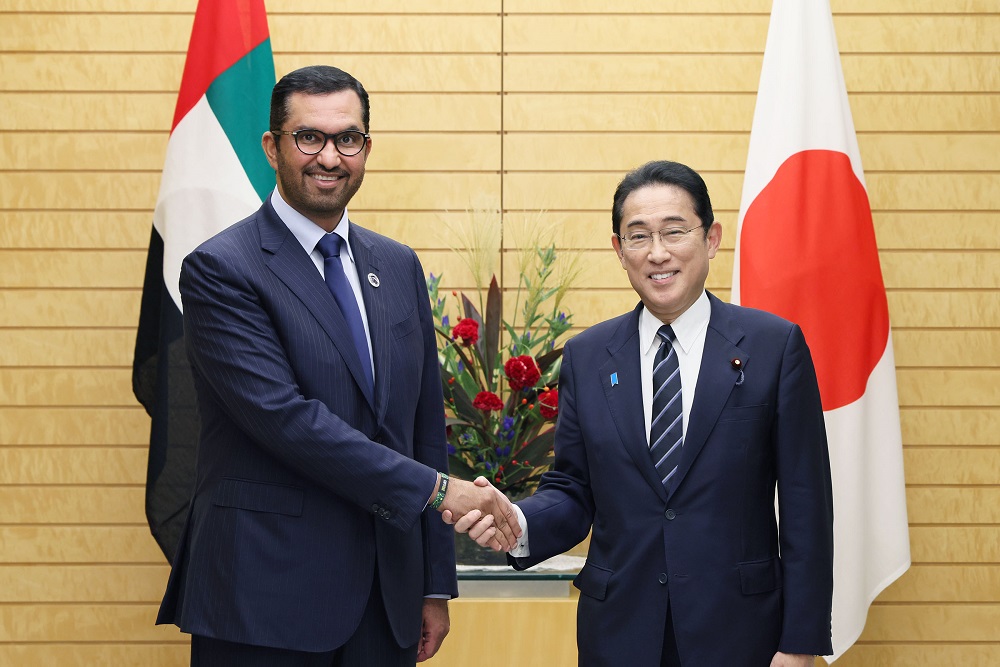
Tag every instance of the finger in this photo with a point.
(464, 524)
(487, 537)
(506, 536)
(446, 517)
(422, 650)
(481, 526)
(509, 514)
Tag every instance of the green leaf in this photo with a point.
(463, 404)
(548, 359)
(536, 450)
(491, 331)
(457, 467)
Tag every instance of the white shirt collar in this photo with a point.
(687, 326)
(307, 232)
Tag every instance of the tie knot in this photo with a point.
(329, 245)
(666, 334)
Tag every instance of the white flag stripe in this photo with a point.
(204, 189)
(871, 540)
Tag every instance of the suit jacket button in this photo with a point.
(388, 514)
(670, 514)
(663, 578)
(376, 509)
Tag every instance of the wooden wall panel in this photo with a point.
(146, 151)
(936, 545)
(945, 583)
(73, 465)
(950, 426)
(75, 544)
(529, 105)
(47, 307)
(46, 425)
(153, 112)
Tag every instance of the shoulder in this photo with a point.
(234, 239)
(750, 320)
(380, 242)
(600, 334)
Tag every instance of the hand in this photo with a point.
(792, 660)
(464, 497)
(434, 629)
(480, 528)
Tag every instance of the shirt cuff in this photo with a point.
(520, 549)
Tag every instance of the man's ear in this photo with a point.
(714, 239)
(270, 145)
(616, 243)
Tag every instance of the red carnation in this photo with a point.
(486, 401)
(522, 372)
(548, 403)
(468, 330)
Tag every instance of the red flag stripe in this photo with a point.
(224, 31)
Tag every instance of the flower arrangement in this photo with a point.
(501, 404)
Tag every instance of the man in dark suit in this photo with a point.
(670, 444)
(312, 537)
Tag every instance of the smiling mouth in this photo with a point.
(325, 178)
(663, 276)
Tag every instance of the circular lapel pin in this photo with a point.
(373, 280)
(737, 364)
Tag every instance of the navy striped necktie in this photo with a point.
(666, 431)
(333, 272)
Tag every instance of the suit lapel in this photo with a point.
(379, 315)
(622, 381)
(716, 380)
(292, 265)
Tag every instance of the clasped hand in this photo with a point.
(481, 510)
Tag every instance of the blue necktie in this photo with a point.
(666, 431)
(333, 270)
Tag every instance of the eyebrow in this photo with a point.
(668, 219)
(352, 128)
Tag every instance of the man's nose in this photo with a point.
(329, 157)
(658, 250)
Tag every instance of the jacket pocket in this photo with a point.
(406, 325)
(744, 413)
(259, 496)
(760, 576)
(593, 581)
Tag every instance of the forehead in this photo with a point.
(658, 202)
(333, 112)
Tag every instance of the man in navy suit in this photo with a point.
(687, 563)
(312, 537)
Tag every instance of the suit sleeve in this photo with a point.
(236, 351)
(805, 504)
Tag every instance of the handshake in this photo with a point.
(481, 510)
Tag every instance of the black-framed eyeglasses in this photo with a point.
(310, 142)
(671, 237)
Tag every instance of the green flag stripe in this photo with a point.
(240, 99)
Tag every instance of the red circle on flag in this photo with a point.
(808, 254)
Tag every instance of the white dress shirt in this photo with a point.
(689, 344)
(308, 234)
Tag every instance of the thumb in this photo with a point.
(482, 481)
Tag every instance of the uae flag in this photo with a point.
(806, 251)
(215, 174)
